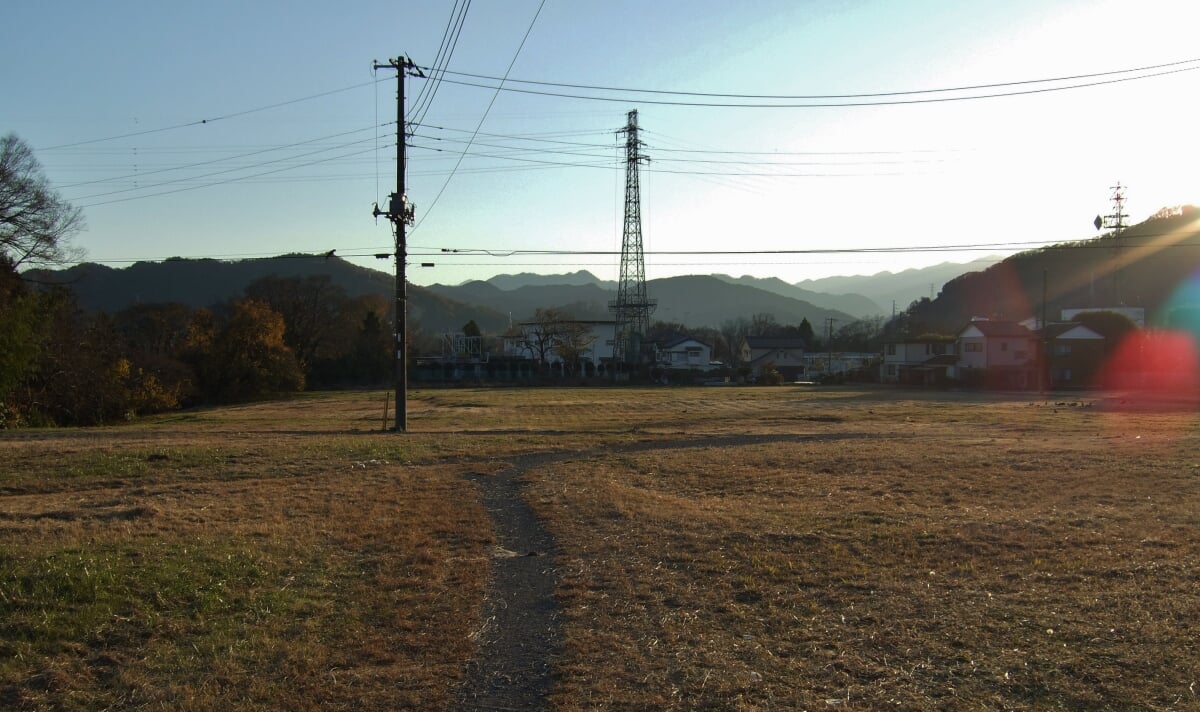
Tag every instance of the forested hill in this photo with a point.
(1151, 265)
(696, 301)
(205, 283)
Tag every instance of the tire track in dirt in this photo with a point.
(521, 631)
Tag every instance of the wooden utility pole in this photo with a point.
(400, 212)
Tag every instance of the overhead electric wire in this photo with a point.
(228, 170)
(185, 166)
(481, 118)
(226, 182)
(971, 87)
(419, 110)
(785, 102)
(500, 256)
(200, 122)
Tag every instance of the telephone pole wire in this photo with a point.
(401, 213)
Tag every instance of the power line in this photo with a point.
(445, 52)
(200, 122)
(501, 257)
(224, 182)
(871, 95)
(486, 111)
(784, 102)
(224, 158)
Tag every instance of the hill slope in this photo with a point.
(694, 301)
(205, 283)
(1151, 266)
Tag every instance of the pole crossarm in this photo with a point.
(401, 213)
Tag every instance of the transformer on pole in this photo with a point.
(400, 212)
(632, 307)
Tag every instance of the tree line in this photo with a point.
(63, 365)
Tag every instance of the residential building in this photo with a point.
(919, 362)
(592, 339)
(1001, 354)
(1075, 355)
(685, 353)
(784, 354)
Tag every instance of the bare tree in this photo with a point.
(573, 342)
(35, 222)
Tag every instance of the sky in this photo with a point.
(231, 129)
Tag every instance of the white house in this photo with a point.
(917, 361)
(685, 352)
(595, 338)
(786, 354)
(1000, 353)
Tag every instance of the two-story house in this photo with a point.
(784, 354)
(1002, 354)
(1075, 354)
(919, 362)
(685, 352)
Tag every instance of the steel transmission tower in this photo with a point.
(632, 307)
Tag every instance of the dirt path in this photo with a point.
(521, 631)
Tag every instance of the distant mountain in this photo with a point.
(584, 301)
(903, 288)
(693, 301)
(205, 283)
(855, 304)
(529, 279)
(708, 301)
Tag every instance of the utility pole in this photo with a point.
(401, 213)
(1116, 222)
(829, 345)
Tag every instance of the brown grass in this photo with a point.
(932, 554)
(808, 549)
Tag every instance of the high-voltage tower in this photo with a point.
(632, 307)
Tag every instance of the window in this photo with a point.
(973, 347)
(891, 369)
(891, 349)
(1062, 349)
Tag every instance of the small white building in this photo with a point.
(918, 361)
(595, 340)
(685, 353)
(785, 354)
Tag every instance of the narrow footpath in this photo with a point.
(521, 631)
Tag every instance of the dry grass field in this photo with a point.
(719, 548)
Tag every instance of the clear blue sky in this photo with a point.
(544, 172)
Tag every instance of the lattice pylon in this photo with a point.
(632, 306)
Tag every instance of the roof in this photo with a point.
(993, 329)
(1071, 332)
(683, 340)
(775, 342)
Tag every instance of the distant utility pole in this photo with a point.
(829, 344)
(1115, 221)
(401, 213)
